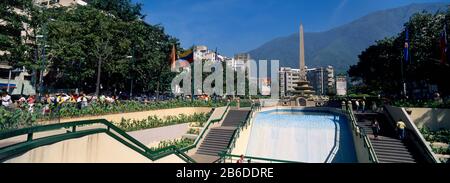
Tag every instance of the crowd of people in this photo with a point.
(50, 101)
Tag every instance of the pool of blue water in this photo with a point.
(302, 136)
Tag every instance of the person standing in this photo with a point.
(374, 106)
(375, 128)
(401, 129)
(363, 105)
(30, 101)
(357, 105)
(6, 100)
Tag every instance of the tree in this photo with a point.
(124, 9)
(89, 46)
(14, 21)
(379, 65)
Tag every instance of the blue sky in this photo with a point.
(241, 25)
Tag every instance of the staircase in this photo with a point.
(218, 138)
(215, 142)
(388, 148)
(234, 118)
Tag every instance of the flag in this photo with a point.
(406, 48)
(187, 56)
(173, 57)
(444, 44)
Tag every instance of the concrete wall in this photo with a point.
(98, 148)
(435, 119)
(362, 152)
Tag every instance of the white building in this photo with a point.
(239, 61)
(321, 79)
(204, 54)
(341, 85)
(288, 78)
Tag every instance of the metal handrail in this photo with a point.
(362, 134)
(236, 133)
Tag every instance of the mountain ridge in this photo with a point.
(341, 45)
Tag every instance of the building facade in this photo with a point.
(322, 79)
(288, 78)
(341, 85)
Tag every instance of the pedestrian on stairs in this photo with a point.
(363, 105)
(357, 105)
(374, 106)
(401, 129)
(375, 128)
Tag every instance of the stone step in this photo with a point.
(394, 160)
(404, 154)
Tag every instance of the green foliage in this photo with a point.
(194, 131)
(422, 103)
(178, 143)
(436, 136)
(11, 27)
(155, 122)
(124, 9)
(441, 150)
(80, 39)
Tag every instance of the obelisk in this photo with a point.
(302, 55)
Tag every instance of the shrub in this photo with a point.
(178, 143)
(155, 122)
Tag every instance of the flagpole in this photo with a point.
(193, 74)
(403, 79)
(405, 58)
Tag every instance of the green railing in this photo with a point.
(73, 130)
(361, 134)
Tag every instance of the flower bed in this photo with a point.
(155, 122)
(439, 141)
(179, 143)
(426, 104)
(18, 118)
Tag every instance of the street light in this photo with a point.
(44, 37)
(131, 80)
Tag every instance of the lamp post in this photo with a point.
(43, 56)
(131, 74)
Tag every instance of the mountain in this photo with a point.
(341, 46)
